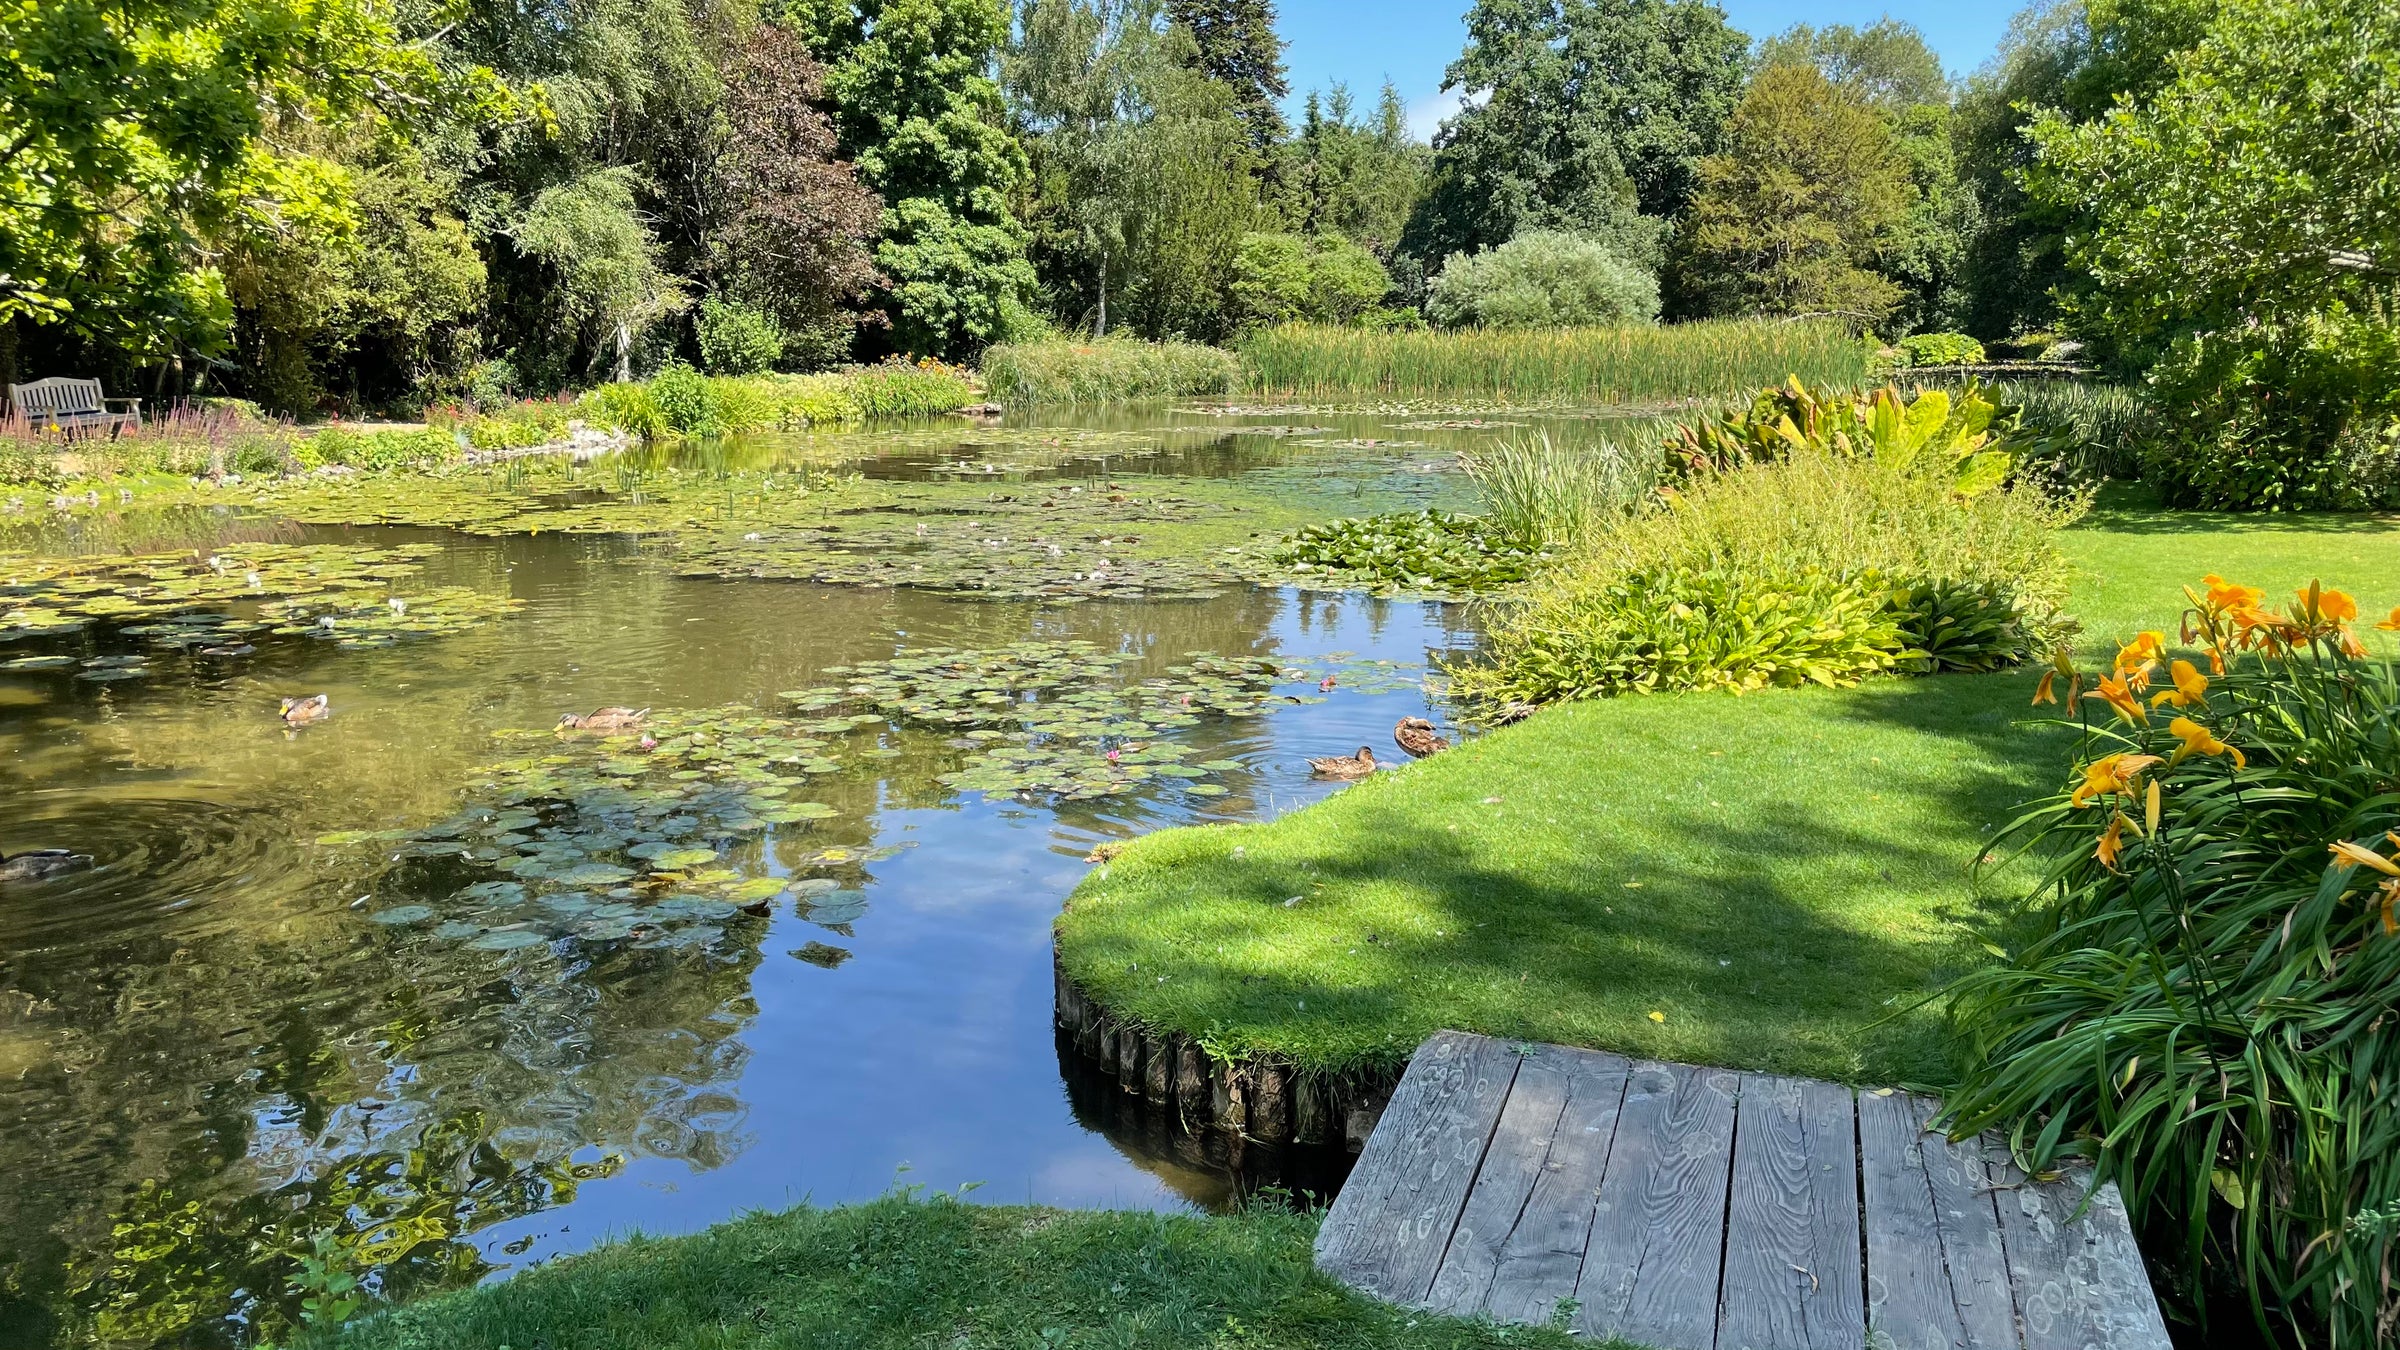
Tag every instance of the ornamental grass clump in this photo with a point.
(2205, 1004)
(1903, 519)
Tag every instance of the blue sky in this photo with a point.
(1410, 41)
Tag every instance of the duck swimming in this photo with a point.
(299, 712)
(1417, 737)
(1346, 766)
(605, 719)
(40, 864)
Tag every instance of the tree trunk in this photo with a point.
(1100, 324)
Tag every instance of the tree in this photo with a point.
(1888, 67)
(2075, 58)
(1284, 278)
(793, 223)
(1789, 217)
(1234, 43)
(134, 145)
(1542, 279)
(1585, 115)
(922, 118)
(1357, 180)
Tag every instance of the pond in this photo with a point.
(461, 991)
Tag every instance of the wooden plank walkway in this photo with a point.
(1703, 1209)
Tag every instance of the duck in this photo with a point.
(604, 719)
(1345, 766)
(1416, 736)
(40, 864)
(299, 712)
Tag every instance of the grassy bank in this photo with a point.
(899, 1273)
(1113, 370)
(1768, 881)
(1632, 364)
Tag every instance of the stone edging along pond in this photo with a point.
(1258, 1098)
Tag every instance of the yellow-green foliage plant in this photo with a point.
(1694, 592)
(1110, 370)
(1636, 363)
(2200, 995)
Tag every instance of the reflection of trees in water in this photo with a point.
(196, 1108)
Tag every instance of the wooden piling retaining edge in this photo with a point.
(1262, 1099)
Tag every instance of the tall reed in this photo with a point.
(1544, 493)
(1113, 370)
(1632, 364)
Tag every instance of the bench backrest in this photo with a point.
(55, 396)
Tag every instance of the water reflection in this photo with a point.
(210, 1054)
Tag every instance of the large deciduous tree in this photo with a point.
(1790, 218)
(1583, 115)
(137, 140)
(793, 224)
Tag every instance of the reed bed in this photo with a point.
(1112, 370)
(1540, 492)
(1637, 363)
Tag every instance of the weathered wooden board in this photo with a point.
(1542, 1259)
(1520, 1148)
(2077, 1279)
(1650, 1274)
(1699, 1209)
(1388, 1228)
(1791, 1277)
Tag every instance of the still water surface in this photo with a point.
(210, 1051)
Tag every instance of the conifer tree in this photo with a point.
(1238, 48)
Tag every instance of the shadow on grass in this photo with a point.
(1792, 930)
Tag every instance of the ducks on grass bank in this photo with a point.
(40, 864)
(605, 719)
(1345, 766)
(1417, 737)
(299, 712)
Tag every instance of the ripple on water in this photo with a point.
(157, 860)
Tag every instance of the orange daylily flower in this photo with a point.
(2109, 775)
(2392, 624)
(2347, 854)
(2112, 842)
(2045, 692)
(2329, 606)
(2120, 697)
(2389, 894)
(2136, 659)
(2191, 687)
(2225, 595)
(2199, 740)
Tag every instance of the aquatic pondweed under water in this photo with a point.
(429, 989)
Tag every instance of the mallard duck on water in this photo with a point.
(40, 864)
(1417, 737)
(605, 719)
(1345, 766)
(299, 712)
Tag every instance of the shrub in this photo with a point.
(736, 339)
(1580, 365)
(2295, 416)
(1671, 628)
(1113, 370)
(1940, 349)
(1815, 526)
(1543, 279)
(29, 466)
(2204, 1001)
(1541, 494)
(681, 394)
(375, 451)
(1965, 440)
(1283, 278)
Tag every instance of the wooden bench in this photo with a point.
(1703, 1209)
(70, 406)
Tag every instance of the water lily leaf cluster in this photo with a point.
(654, 837)
(1429, 552)
(214, 603)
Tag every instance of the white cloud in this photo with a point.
(1426, 115)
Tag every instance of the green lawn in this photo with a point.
(905, 1274)
(1775, 881)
